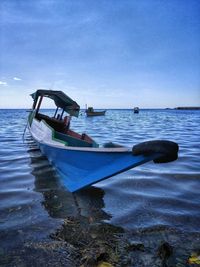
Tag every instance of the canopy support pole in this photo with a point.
(62, 114)
(39, 104)
(55, 112)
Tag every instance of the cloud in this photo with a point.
(17, 79)
(3, 83)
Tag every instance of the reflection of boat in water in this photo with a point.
(136, 110)
(78, 158)
(90, 112)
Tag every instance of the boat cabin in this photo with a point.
(90, 109)
(60, 122)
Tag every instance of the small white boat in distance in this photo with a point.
(91, 112)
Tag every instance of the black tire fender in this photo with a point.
(168, 150)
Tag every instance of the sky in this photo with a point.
(106, 54)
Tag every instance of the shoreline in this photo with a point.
(188, 108)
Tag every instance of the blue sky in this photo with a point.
(108, 54)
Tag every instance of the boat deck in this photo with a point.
(61, 132)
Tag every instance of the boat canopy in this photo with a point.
(61, 100)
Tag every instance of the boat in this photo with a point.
(136, 110)
(78, 159)
(91, 112)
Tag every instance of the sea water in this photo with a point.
(153, 198)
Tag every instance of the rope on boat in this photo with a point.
(24, 131)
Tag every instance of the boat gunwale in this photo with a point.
(60, 145)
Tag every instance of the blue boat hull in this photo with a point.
(80, 169)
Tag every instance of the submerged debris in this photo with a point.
(82, 241)
(135, 246)
(98, 244)
(104, 264)
(194, 258)
(164, 252)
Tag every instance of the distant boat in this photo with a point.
(91, 112)
(77, 157)
(136, 110)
